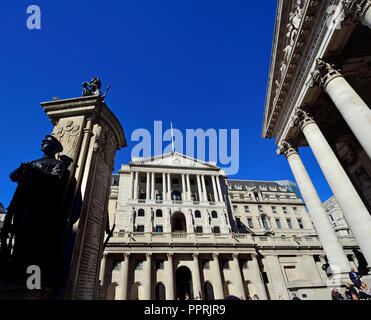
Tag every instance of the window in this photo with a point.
(250, 223)
(205, 264)
(216, 229)
(198, 229)
(247, 209)
(158, 180)
(238, 221)
(158, 213)
(235, 209)
(300, 224)
(260, 208)
(295, 209)
(143, 179)
(138, 265)
(274, 209)
(116, 265)
(192, 181)
(140, 213)
(175, 181)
(265, 224)
(242, 196)
(140, 228)
(214, 214)
(142, 196)
(176, 195)
(331, 217)
(197, 214)
(225, 264)
(159, 229)
(289, 223)
(278, 223)
(159, 196)
(159, 264)
(284, 209)
(193, 197)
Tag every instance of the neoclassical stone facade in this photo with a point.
(183, 228)
(318, 96)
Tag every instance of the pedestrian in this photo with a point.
(350, 290)
(255, 297)
(364, 292)
(336, 295)
(355, 278)
(294, 297)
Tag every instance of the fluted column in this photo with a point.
(170, 292)
(359, 10)
(216, 198)
(147, 275)
(259, 285)
(354, 110)
(188, 188)
(219, 189)
(199, 188)
(124, 276)
(184, 190)
(132, 175)
(218, 282)
(153, 197)
(136, 185)
(168, 187)
(204, 188)
(354, 210)
(237, 271)
(103, 269)
(330, 242)
(148, 186)
(197, 291)
(163, 186)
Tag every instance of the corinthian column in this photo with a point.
(353, 109)
(170, 292)
(136, 185)
(326, 233)
(147, 274)
(355, 212)
(153, 187)
(359, 9)
(168, 187)
(204, 188)
(219, 188)
(240, 286)
(148, 186)
(196, 277)
(216, 198)
(199, 188)
(218, 282)
(125, 273)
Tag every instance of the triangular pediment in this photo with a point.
(174, 160)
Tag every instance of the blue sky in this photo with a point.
(198, 63)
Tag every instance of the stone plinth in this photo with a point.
(90, 135)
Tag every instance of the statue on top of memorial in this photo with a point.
(93, 88)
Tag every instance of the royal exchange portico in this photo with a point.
(319, 96)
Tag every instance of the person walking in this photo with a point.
(336, 295)
(294, 297)
(350, 290)
(355, 278)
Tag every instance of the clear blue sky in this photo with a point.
(199, 63)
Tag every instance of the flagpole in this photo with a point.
(172, 138)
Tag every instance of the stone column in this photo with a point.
(219, 189)
(218, 282)
(103, 269)
(148, 187)
(237, 271)
(124, 276)
(163, 186)
(359, 10)
(330, 242)
(188, 188)
(355, 212)
(168, 187)
(153, 196)
(204, 188)
(90, 135)
(131, 185)
(197, 291)
(136, 185)
(216, 197)
(353, 109)
(147, 275)
(170, 292)
(184, 191)
(262, 293)
(199, 188)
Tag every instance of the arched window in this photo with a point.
(176, 195)
(197, 214)
(158, 213)
(214, 214)
(141, 213)
(160, 293)
(208, 291)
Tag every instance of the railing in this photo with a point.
(177, 201)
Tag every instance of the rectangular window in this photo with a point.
(247, 209)
(175, 181)
(198, 229)
(192, 182)
(265, 224)
(278, 223)
(225, 264)
(216, 229)
(235, 209)
(289, 223)
(284, 209)
(140, 228)
(300, 222)
(138, 264)
(250, 223)
(159, 196)
(116, 265)
(260, 208)
(159, 264)
(158, 180)
(274, 209)
(205, 264)
(295, 209)
(159, 229)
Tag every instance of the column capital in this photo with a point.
(287, 148)
(195, 255)
(148, 255)
(323, 73)
(356, 9)
(105, 255)
(169, 255)
(302, 118)
(215, 255)
(126, 255)
(235, 256)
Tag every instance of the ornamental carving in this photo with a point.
(324, 73)
(302, 118)
(105, 145)
(68, 135)
(356, 9)
(287, 148)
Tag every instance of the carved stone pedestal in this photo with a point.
(90, 135)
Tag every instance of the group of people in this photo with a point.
(356, 291)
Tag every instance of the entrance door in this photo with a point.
(183, 278)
